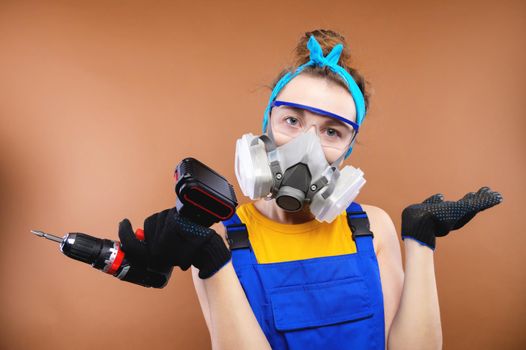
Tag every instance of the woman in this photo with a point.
(300, 278)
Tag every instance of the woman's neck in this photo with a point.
(271, 210)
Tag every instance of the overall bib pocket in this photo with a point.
(332, 315)
(320, 304)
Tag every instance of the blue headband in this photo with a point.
(331, 61)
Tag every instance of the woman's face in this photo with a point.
(287, 123)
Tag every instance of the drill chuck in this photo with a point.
(82, 247)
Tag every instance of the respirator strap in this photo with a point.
(359, 224)
(335, 166)
(275, 168)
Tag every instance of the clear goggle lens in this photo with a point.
(291, 122)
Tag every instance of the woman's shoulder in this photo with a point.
(381, 225)
(375, 213)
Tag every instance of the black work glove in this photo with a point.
(435, 218)
(173, 240)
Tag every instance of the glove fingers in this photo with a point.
(151, 226)
(483, 189)
(155, 236)
(131, 245)
(436, 198)
(468, 196)
(483, 199)
(487, 200)
(160, 222)
(498, 197)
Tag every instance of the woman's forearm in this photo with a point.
(417, 321)
(232, 322)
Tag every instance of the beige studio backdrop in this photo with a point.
(99, 100)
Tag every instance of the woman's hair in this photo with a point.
(327, 40)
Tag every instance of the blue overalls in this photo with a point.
(333, 302)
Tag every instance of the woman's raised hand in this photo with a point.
(435, 217)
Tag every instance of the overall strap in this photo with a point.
(360, 227)
(236, 232)
(237, 238)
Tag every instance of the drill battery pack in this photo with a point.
(203, 195)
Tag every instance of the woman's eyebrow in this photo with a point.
(300, 111)
(334, 122)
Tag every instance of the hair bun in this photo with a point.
(327, 40)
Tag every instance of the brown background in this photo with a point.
(100, 99)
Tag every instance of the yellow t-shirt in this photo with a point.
(276, 242)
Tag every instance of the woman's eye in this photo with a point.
(332, 132)
(291, 120)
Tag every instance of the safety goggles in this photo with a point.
(289, 119)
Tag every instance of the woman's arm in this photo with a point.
(389, 262)
(228, 315)
(417, 322)
(412, 315)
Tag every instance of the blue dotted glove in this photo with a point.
(435, 217)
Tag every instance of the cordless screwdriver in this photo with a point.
(203, 196)
(107, 255)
